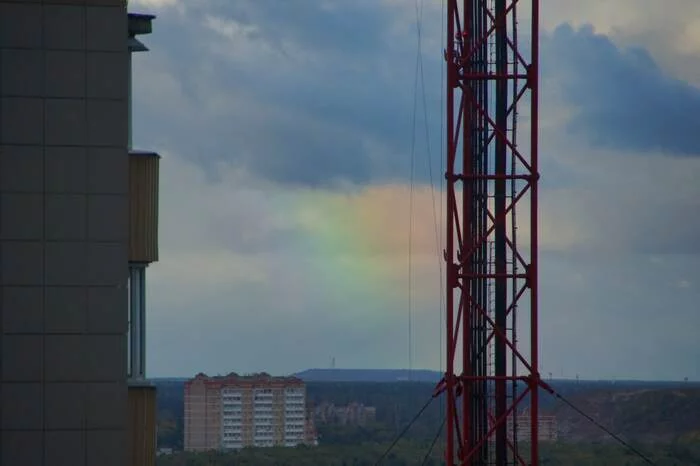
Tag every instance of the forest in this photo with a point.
(396, 403)
(662, 422)
(414, 454)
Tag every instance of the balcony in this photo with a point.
(143, 206)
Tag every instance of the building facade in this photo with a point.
(352, 414)
(547, 427)
(232, 412)
(64, 233)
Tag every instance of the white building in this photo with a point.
(233, 412)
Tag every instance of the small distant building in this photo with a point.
(233, 412)
(352, 414)
(547, 427)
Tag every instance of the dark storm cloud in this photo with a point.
(345, 28)
(623, 99)
(330, 97)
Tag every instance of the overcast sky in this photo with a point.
(286, 129)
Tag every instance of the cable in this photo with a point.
(419, 28)
(441, 157)
(604, 429)
(419, 75)
(410, 203)
(429, 153)
(403, 432)
(432, 445)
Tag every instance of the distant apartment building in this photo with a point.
(233, 412)
(351, 414)
(547, 427)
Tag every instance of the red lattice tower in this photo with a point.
(491, 279)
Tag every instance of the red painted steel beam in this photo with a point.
(533, 80)
(450, 275)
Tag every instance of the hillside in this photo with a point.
(646, 415)
(369, 375)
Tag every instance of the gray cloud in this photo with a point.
(251, 327)
(620, 205)
(619, 317)
(623, 99)
(303, 97)
(312, 96)
(339, 29)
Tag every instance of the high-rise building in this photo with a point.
(70, 192)
(232, 412)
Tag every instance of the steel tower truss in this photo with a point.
(491, 280)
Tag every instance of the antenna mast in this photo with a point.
(492, 168)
